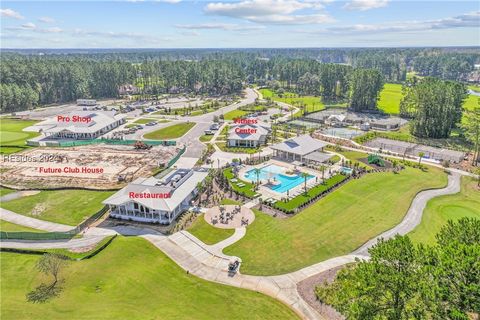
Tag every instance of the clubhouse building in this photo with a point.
(156, 200)
(303, 149)
(81, 125)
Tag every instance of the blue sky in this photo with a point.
(244, 23)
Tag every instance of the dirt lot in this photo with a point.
(96, 166)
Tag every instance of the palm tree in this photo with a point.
(420, 156)
(323, 168)
(305, 176)
(257, 173)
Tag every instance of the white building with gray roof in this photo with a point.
(81, 124)
(247, 135)
(302, 148)
(157, 200)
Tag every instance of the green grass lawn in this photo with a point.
(12, 138)
(171, 132)
(353, 156)
(229, 201)
(63, 206)
(439, 210)
(471, 102)
(206, 137)
(234, 114)
(144, 120)
(335, 225)
(207, 233)
(312, 103)
(130, 279)
(12, 227)
(5, 191)
(474, 88)
(390, 98)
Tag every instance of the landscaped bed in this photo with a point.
(247, 190)
(223, 147)
(171, 132)
(150, 286)
(63, 206)
(335, 225)
(312, 193)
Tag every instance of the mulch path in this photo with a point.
(306, 289)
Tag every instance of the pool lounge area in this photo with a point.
(276, 178)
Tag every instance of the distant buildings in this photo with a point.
(81, 124)
(341, 118)
(157, 200)
(86, 102)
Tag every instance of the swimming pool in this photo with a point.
(274, 172)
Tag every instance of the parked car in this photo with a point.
(149, 124)
(209, 132)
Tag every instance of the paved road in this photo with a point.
(414, 214)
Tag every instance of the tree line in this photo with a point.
(407, 281)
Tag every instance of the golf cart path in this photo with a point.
(19, 219)
(415, 212)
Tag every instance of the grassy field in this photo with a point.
(130, 279)
(12, 227)
(5, 191)
(229, 201)
(170, 132)
(390, 98)
(207, 233)
(335, 225)
(145, 120)
(12, 138)
(452, 207)
(234, 114)
(312, 103)
(206, 137)
(63, 206)
(471, 102)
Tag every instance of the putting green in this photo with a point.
(8, 136)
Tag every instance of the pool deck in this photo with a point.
(266, 192)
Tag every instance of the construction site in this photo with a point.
(98, 166)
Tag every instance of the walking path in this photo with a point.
(32, 222)
(414, 213)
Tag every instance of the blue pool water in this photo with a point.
(346, 170)
(273, 171)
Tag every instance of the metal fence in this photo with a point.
(115, 142)
(174, 159)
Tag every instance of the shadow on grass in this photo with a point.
(44, 292)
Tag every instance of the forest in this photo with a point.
(40, 77)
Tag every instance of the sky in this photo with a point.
(238, 24)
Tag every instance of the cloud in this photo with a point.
(471, 19)
(363, 5)
(28, 25)
(46, 20)
(119, 35)
(9, 13)
(219, 26)
(270, 11)
(190, 33)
